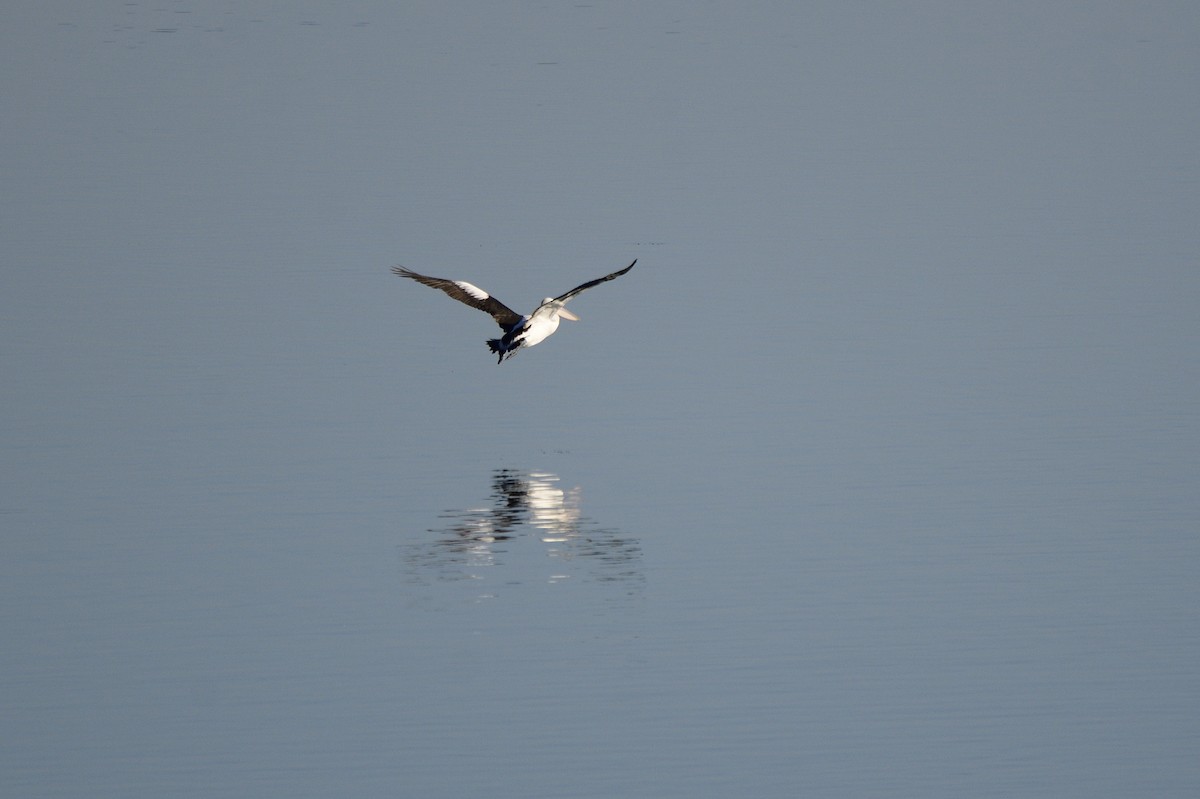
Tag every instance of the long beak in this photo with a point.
(565, 314)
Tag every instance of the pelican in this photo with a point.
(519, 331)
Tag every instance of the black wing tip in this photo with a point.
(620, 272)
(403, 272)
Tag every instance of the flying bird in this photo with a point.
(519, 331)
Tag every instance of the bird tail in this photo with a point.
(496, 345)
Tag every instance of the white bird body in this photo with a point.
(542, 323)
(519, 331)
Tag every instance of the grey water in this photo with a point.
(879, 475)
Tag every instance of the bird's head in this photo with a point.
(560, 309)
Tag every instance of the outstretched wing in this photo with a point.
(467, 293)
(590, 283)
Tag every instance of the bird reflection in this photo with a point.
(523, 508)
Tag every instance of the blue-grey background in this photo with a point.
(878, 476)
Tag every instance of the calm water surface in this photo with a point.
(876, 477)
